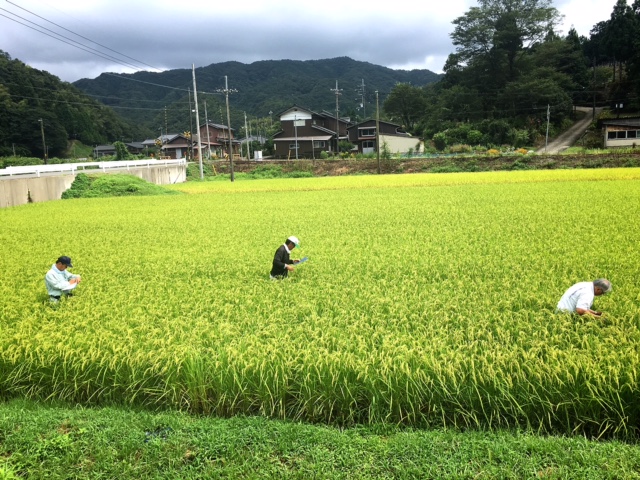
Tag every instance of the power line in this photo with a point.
(86, 49)
(80, 92)
(55, 38)
(97, 105)
(122, 77)
(76, 34)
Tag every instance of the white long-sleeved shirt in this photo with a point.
(57, 281)
(580, 295)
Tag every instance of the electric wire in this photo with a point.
(95, 52)
(81, 36)
(92, 105)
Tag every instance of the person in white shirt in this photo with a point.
(579, 298)
(59, 281)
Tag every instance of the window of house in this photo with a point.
(621, 134)
(318, 144)
(611, 135)
(369, 144)
(632, 134)
(367, 132)
(298, 123)
(293, 146)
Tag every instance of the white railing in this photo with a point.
(88, 167)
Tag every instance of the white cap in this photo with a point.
(294, 240)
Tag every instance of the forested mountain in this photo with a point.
(257, 89)
(28, 95)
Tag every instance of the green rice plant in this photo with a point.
(428, 300)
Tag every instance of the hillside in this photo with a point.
(262, 87)
(28, 95)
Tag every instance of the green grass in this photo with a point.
(112, 185)
(260, 172)
(59, 442)
(576, 150)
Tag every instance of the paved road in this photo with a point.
(568, 138)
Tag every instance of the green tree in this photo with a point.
(621, 32)
(634, 60)
(497, 32)
(121, 151)
(406, 103)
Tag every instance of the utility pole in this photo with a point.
(226, 92)
(295, 129)
(246, 134)
(364, 109)
(166, 122)
(378, 132)
(195, 99)
(206, 121)
(546, 141)
(190, 123)
(44, 145)
(593, 114)
(338, 93)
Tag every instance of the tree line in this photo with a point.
(511, 69)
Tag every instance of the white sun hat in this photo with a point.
(294, 240)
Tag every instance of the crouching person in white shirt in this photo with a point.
(59, 281)
(579, 298)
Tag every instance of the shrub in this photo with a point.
(519, 138)
(447, 168)
(20, 161)
(440, 141)
(474, 137)
(112, 185)
(385, 153)
(460, 149)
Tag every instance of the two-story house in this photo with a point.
(214, 139)
(363, 135)
(305, 134)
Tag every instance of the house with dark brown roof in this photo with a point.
(214, 138)
(175, 146)
(306, 134)
(363, 135)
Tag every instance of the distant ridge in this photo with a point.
(262, 87)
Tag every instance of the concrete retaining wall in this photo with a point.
(18, 191)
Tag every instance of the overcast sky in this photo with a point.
(168, 35)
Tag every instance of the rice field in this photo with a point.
(428, 300)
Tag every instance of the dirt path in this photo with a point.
(568, 138)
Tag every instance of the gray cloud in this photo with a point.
(165, 36)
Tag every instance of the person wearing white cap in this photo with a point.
(282, 264)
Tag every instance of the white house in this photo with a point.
(621, 132)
